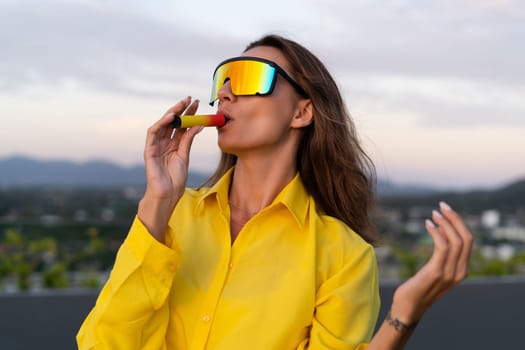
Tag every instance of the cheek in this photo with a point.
(258, 127)
(259, 120)
(271, 120)
(270, 113)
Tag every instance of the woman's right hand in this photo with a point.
(166, 162)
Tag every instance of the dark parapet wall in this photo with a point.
(478, 314)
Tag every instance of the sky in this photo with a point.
(436, 88)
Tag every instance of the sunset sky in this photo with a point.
(436, 88)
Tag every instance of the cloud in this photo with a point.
(450, 62)
(100, 47)
(440, 102)
(421, 77)
(437, 38)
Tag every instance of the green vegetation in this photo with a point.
(481, 266)
(67, 236)
(85, 252)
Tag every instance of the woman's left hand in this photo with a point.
(446, 268)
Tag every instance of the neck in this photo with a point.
(262, 172)
(255, 184)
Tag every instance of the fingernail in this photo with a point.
(429, 224)
(444, 206)
(436, 214)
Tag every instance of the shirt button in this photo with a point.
(230, 265)
(206, 318)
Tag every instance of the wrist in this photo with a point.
(398, 325)
(161, 202)
(155, 213)
(407, 308)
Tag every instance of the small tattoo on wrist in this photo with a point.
(398, 325)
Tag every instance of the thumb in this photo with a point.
(187, 140)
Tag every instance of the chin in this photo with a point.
(226, 146)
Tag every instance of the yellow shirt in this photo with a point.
(293, 279)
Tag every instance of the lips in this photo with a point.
(226, 115)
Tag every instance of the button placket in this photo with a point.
(213, 296)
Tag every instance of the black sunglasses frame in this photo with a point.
(277, 68)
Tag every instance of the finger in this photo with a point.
(441, 248)
(464, 233)
(167, 118)
(177, 133)
(426, 285)
(180, 106)
(455, 244)
(192, 109)
(454, 219)
(187, 140)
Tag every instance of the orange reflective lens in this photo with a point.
(248, 76)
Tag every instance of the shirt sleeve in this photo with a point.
(347, 306)
(131, 311)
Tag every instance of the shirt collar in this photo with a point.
(293, 196)
(219, 190)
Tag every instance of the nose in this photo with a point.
(225, 93)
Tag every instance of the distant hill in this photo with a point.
(387, 188)
(24, 171)
(508, 198)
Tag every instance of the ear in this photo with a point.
(304, 114)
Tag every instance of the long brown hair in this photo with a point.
(333, 166)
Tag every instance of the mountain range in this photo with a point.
(25, 171)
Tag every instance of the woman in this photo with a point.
(276, 252)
